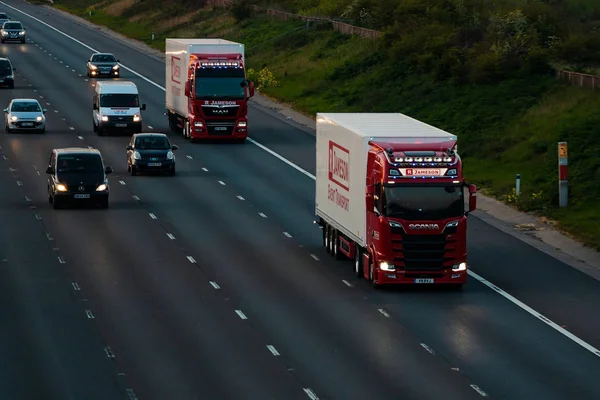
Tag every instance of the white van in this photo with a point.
(116, 106)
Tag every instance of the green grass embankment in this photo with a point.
(504, 128)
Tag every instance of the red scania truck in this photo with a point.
(390, 195)
(206, 89)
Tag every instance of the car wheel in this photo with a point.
(104, 203)
(43, 130)
(7, 129)
(23, 41)
(11, 86)
(56, 203)
(172, 172)
(132, 171)
(3, 41)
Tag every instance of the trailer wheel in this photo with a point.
(331, 236)
(358, 267)
(326, 237)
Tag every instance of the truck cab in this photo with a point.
(416, 222)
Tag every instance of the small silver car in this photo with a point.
(25, 115)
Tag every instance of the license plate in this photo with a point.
(82, 196)
(154, 164)
(27, 123)
(220, 128)
(120, 125)
(421, 280)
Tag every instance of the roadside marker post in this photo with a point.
(563, 174)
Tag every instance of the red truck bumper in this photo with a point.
(425, 277)
(210, 130)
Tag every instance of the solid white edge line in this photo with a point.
(273, 350)
(478, 390)
(291, 164)
(536, 314)
(347, 283)
(241, 314)
(311, 395)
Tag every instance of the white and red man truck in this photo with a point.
(206, 89)
(390, 195)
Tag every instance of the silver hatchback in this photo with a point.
(25, 115)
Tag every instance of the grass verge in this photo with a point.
(505, 129)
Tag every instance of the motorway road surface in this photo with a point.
(212, 284)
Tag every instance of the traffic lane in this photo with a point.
(564, 294)
(46, 336)
(71, 87)
(488, 337)
(159, 315)
(334, 342)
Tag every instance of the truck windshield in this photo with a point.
(119, 100)
(219, 88)
(423, 202)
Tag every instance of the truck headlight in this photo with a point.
(136, 155)
(136, 118)
(242, 124)
(102, 187)
(459, 267)
(386, 266)
(61, 188)
(198, 124)
(170, 155)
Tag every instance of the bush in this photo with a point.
(242, 10)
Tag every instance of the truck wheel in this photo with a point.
(336, 247)
(358, 266)
(372, 273)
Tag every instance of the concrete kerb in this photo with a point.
(525, 227)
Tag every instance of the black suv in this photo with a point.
(77, 173)
(150, 152)
(7, 73)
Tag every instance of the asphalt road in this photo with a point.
(213, 284)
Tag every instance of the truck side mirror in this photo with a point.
(250, 89)
(472, 189)
(49, 170)
(188, 86)
(472, 198)
(108, 170)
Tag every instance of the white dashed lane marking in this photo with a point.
(61, 260)
(204, 169)
(273, 350)
(191, 259)
(75, 286)
(215, 285)
(347, 283)
(189, 157)
(240, 197)
(262, 215)
(170, 236)
(382, 311)
(152, 215)
(315, 257)
(222, 183)
(241, 314)
(311, 395)
(122, 183)
(89, 314)
(287, 234)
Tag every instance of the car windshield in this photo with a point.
(423, 202)
(78, 163)
(12, 25)
(104, 58)
(119, 100)
(152, 143)
(5, 68)
(25, 106)
(3, 16)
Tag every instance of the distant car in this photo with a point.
(150, 152)
(102, 64)
(3, 18)
(77, 174)
(12, 31)
(24, 115)
(7, 73)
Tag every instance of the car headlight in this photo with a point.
(102, 187)
(459, 267)
(136, 118)
(4, 33)
(104, 118)
(170, 155)
(93, 67)
(116, 67)
(386, 266)
(61, 188)
(22, 33)
(136, 155)
(38, 118)
(10, 77)
(14, 118)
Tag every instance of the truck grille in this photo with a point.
(220, 111)
(224, 127)
(421, 252)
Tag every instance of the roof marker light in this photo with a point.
(408, 159)
(447, 159)
(419, 159)
(399, 159)
(428, 159)
(438, 159)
